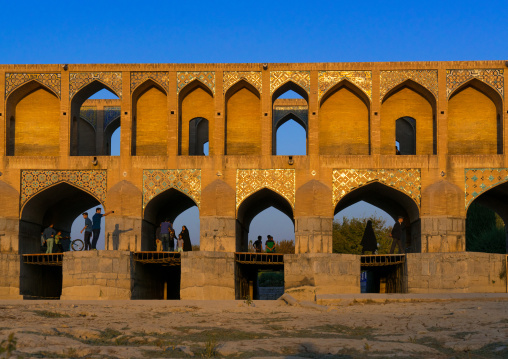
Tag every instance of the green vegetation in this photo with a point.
(485, 230)
(271, 279)
(8, 346)
(348, 235)
(48, 314)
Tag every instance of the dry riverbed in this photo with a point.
(350, 328)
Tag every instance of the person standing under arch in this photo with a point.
(397, 236)
(96, 225)
(187, 246)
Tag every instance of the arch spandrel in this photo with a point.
(111, 113)
(492, 77)
(89, 114)
(184, 78)
(279, 78)
(33, 182)
(186, 181)
(479, 180)
(281, 181)
(159, 77)
(79, 80)
(407, 181)
(15, 80)
(328, 79)
(255, 78)
(391, 79)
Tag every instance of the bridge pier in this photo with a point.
(208, 275)
(313, 234)
(9, 280)
(443, 234)
(97, 275)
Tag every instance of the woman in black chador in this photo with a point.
(369, 242)
(187, 246)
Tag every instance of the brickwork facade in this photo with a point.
(49, 126)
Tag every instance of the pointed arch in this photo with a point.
(194, 100)
(24, 134)
(278, 123)
(409, 99)
(76, 102)
(344, 121)
(475, 123)
(416, 87)
(350, 86)
(290, 86)
(254, 204)
(58, 204)
(243, 111)
(87, 136)
(149, 120)
(110, 129)
(147, 83)
(198, 136)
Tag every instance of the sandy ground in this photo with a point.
(352, 327)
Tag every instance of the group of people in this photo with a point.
(165, 238)
(269, 245)
(93, 227)
(369, 242)
(52, 240)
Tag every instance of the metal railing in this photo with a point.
(259, 258)
(164, 258)
(46, 259)
(376, 260)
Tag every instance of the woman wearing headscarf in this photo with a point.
(187, 246)
(369, 242)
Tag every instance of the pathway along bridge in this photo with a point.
(448, 118)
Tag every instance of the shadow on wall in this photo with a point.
(116, 236)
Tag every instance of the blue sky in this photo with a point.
(41, 32)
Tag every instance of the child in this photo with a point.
(180, 243)
(159, 245)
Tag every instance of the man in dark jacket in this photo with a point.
(397, 235)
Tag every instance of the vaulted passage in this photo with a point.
(58, 205)
(408, 117)
(198, 136)
(344, 121)
(195, 101)
(474, 121)
(243, 130)
(33, 121)
(150, 121)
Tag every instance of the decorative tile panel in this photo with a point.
(93, 182)
(279, 78)
(281, 181)
(78, 80)
(493, 77)
(407, 181)
(479, 180)
(328, 79)
(206, 77)
(253, 77)
(89, 114)
(160, 77)
(110, 113)
(13, 81)
(157, 181)
(426, 78)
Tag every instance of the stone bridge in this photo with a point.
(448, 118)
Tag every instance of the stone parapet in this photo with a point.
(97, 275)
(217, 233)
(465, 272)
(9, 235)
(308, 275)
(313, 234)
(208, 275)
(9, 278)
(443, 234)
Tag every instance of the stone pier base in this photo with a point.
(208, 275)
(312, 274)
(9, 276)
(465, 272)
(97, 275)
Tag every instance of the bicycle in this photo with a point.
(77, 245)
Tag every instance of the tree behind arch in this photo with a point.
(485, 231)
(348, 235)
